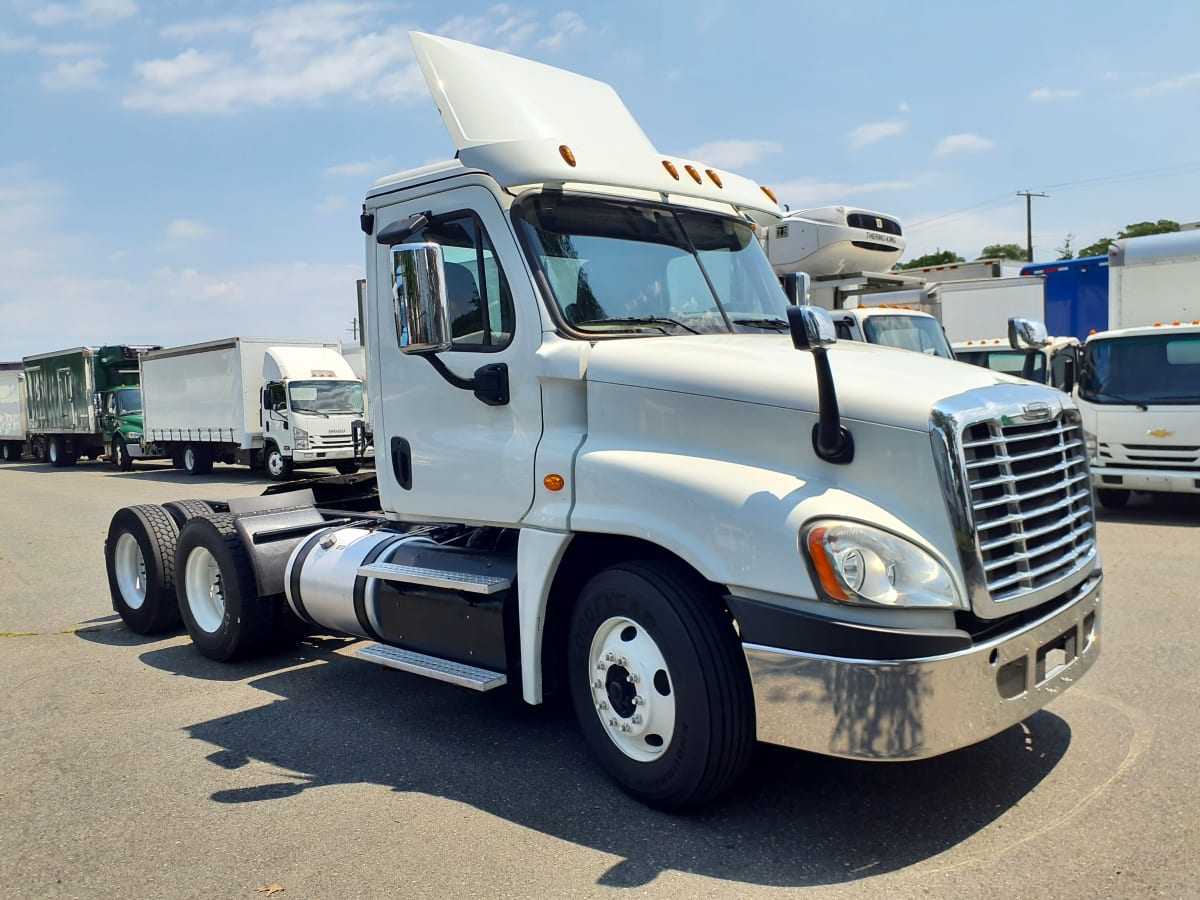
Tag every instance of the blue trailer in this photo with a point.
(1076, 295)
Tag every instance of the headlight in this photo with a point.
(300, 437)
(1090, 443)
(867, 566)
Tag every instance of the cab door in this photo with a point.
(442, 454)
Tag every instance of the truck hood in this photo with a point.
(874, 384)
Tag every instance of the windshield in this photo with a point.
(623, 267)
(326, 397)
(1010, 362)
(128, 401)
(1153, 368)
(919, 333)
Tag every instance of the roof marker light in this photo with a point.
(714, 177)
(691, 170)
(568, 157)
(671, 170)
(770, 193)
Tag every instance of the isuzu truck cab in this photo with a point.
(614, 463)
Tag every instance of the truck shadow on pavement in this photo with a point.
(796, 819)
(1156, 509)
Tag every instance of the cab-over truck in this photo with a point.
(612, 462)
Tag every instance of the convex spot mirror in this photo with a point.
(1027, 334)
(419, 298)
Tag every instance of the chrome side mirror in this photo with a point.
(1027, 334)
(811, 327)
(419, 298)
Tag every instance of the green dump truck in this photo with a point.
(85, 402)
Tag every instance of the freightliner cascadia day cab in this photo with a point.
(614, 463)
(14, 419)
(278, 403)
(1139, 390)
(84, 402)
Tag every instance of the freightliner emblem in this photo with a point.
(1036, 410)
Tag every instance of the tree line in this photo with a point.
(1066, 251)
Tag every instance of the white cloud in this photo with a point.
(186, 229)
(1167, 85)
(733, 154)
(361, 169)
(88, 12)
(875, 131)
(1046, 93)
(313, 51)
(78, 75)
(10, 44)
(962, 143)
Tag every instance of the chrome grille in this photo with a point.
(1030, 496)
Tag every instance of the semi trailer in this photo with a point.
(14, 418)
(615, 465)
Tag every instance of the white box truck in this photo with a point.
(14, 418)
(1139, 390)
(617, 465)
(272, 402)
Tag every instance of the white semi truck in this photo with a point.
(273, 402)
(614, 463)
(14, 417)
(1139, 391)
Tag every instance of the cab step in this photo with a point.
(468, 582)
(433, 667)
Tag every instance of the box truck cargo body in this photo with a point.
(14, 421)
(1076, 295)
(84, 401)
(255, 401)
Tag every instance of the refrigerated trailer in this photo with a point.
(279, 403)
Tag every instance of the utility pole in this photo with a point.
(1029, 222)
(353, 329)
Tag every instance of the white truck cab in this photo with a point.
(614, 462)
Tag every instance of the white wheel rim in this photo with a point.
(275, 462)
(189, 459)
(53, 451)
(632, 689)
(205, 591)
(129, 567)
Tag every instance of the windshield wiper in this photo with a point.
(778, 324)
(1138, 403)
(311, 412)
(640, 320)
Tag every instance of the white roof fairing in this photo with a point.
(508, 117)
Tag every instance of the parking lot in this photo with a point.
(134, 767)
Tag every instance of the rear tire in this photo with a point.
(197, 459)
(660, 684)
(57, 454)
(1113, 498)
(346, 466)
(139, 554)
(183, 510)
(10, 452)
(218, 595)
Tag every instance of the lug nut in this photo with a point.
(597, 684)
(639, 700)
(632, 678)
(603, 705)
(626, 729)
(612, 723)
(636, 720)
(622, 662)
(610, 656)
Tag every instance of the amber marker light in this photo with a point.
(554, 482)
(714, 177)
(691, 170)
(568, 157)
(671, 170)
(770, 193)
(820, 558)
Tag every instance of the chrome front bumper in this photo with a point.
(912, 709)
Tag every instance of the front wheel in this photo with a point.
(346, 466)
(279, 467)
(139, 554)
(659, 683)
(120, 454)
(218, 595)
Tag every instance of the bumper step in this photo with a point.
(439, 578)
(433, 667)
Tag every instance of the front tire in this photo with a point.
(218, 595)
(279, 467)
(659, 683)
(139, 554)
(120, 455)
(346, 466)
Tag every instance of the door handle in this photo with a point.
(402, 462)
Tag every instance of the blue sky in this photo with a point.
(186, 170)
